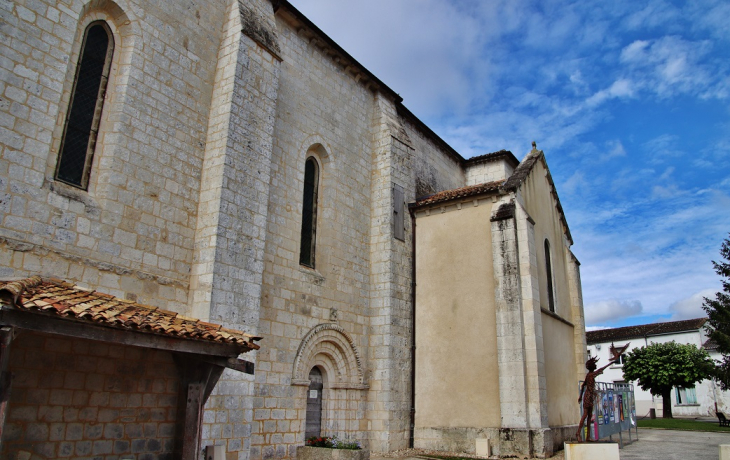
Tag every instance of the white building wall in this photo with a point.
(707, 392)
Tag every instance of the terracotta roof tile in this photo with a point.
(62, 299)
(463, 192)
(642, 330)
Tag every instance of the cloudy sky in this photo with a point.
(630, 100)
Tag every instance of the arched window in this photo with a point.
(85, 106)
(309, 213)
(549, 273)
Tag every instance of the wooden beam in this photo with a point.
(240, 365)
(213, 375)
(84, 330)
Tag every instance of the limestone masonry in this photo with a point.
(228, 161)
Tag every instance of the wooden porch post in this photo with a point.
(6, 336)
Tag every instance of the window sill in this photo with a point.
(556, 316)
(313, 275)
(72, 193)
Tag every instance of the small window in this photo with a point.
(549, 272)
(87, 101)
(621, 360)
(686, 395)
(309, 213)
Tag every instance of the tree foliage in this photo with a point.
(718, 310)
(661, 366)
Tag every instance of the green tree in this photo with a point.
(661, 366)
(718, 310)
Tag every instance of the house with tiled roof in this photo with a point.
(81, 360)
(702, 400)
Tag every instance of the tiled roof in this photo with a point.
(643, 330)
(710, 344)
(463, 192)
(64, 300)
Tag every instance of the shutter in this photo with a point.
(398, 217)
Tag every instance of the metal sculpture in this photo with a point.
(588, 389)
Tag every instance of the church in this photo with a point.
(219, 229)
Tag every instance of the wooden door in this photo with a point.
(314, 404)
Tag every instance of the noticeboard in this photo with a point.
(614, 412)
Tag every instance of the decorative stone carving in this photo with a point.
(330, 347)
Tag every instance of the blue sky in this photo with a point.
(629, 100)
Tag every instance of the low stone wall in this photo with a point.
(562, 434)
(325, 453)
(539, 443)
(75, 397)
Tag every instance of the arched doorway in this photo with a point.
(314, 404)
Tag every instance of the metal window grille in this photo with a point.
(85, 107)
(309, 213)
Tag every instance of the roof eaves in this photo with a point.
(644, 330)
(428, 132)
(281, 6)
(62, 301)
(523, 171)
(494, 156)
(488, 188)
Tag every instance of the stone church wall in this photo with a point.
(435, 169)
(322, 112)
(131, 234)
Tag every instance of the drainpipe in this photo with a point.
(411, 434)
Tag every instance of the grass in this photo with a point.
(681, 424)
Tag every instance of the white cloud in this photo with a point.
(691, 307)
(656, 14)
(610, 311)
(670, 65)
(635, 51)
(615, 149)
(622, 88)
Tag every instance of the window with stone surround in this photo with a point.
(309, 213)
(85, 107)
(549, 273)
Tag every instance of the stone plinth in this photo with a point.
(724, 451)
(591, 451)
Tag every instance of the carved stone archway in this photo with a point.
(331, 348)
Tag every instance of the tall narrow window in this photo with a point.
(549, 273)
(85, 106)
(309, 213)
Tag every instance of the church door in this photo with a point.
(314, 404)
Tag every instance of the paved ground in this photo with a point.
(675, 445)
(652, 445)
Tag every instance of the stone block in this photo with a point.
(482, 447)
(591, 451)
(724, 451)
